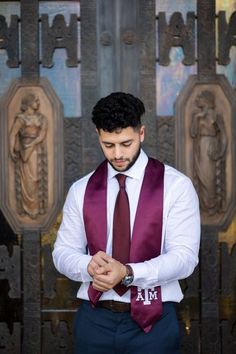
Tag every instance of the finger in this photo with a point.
(101, 259)
(107, 258)
(100, 289)
(101, 278)
(92, 266)
(105, 281)
(100, 286)
(100, 270)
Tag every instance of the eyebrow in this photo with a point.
(122, 142)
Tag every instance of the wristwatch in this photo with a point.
(129, 277)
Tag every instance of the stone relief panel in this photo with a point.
(204, 145)
(28, 151)
(31, 156)
(209, 142)
(30, 162)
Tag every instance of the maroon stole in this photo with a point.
(146, 304)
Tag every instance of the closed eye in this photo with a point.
(126, 144)
(108, 146)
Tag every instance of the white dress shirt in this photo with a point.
(180, 233)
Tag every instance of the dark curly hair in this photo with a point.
(118, 110)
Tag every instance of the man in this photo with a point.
(128, 240)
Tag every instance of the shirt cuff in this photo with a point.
(140, 274)
(83, 264)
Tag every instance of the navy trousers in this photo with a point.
(101, 331)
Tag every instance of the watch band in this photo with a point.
(129, 277)
(129, 270)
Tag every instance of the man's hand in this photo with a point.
(108, 275)
(100, 259)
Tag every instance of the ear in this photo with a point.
(142, 133)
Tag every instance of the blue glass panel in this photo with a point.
(6, 74)
(171, 79)
(65, 81)
(170, 6)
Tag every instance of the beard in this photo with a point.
(131, 161)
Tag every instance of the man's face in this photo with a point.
(121, 147)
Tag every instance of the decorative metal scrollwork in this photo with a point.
(10, 269)
(59, 36)
(227, 33)
(176, 34)
(9, 40)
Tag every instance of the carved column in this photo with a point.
(29, 39)
(206, 38)
(32, 293)
(210, 291)
(147, 71)
(31, 241)
(89, 91)
(210, 269)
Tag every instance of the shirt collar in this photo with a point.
(136, 171)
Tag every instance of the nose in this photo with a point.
(117, 152)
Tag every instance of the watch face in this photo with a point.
(127, 280)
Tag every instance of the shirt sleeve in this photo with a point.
(70, 249)
(181, 233)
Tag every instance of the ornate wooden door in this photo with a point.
(173, 54)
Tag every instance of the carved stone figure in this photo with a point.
(209, 148)
(29, 152)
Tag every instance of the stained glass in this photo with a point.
(7, 75)
(66, 81)
(229, 6)
(171, 79)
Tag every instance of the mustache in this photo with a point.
(120, 159)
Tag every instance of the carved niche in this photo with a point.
(32, 169)
(205, 145)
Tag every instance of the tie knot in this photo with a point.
(121, 180)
